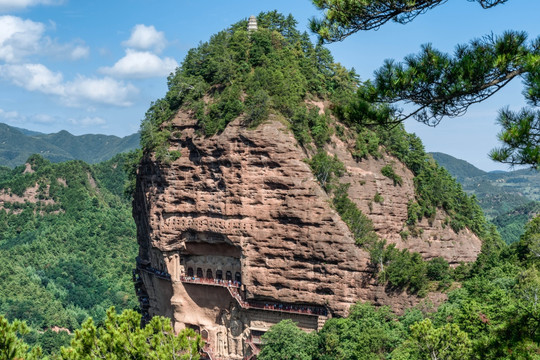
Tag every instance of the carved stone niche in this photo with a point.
(212, 267)
(209, 243)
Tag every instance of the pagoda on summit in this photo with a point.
(252, 23)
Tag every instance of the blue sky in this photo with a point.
(95, 66)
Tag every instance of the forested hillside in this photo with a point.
(67, 243)
(16, 145)
(509, 199)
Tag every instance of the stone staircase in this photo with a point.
(320, 322)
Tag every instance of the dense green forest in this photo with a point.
(77, 225)
(509, 199)
(67, 244)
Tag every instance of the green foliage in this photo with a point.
(300, 125)
(435, 187)
(319, 126)
(327, 169)
(49, 341)
(492, 315)
(154, 132)
(508, 199)
(359, 224)
(438, 269)
(469, 76)
(414, 212)
(12, 347)
(111, 174)
(388, 171)
(309, 125)
(511, 225)
(67, 256)
(257, 108)
(272, 70)
(441, 85)
(520, 136)
(447, 342)
(378, 198)
(528, 248)
(367, 333)
(404, 234)
(404, 270)
(131, 164)
(16, 146)
(343, 18)
(221, 112)
(121, 337)
(367, 143)
(460, 169)
(285, 341)
(360, 112)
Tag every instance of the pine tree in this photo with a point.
(441, 85)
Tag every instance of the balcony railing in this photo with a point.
(234, 287)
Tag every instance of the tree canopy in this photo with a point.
(286, 341)
(67, 252)
(273, 70)
(12, 347)
(345, 17)
(121, 337)
(440, 85)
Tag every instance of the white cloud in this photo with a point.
(88, 121)
(44, 119)
(33, 77)
(19, 38)
(6, 5)
(140, 64)
(80, 52)
(9, 115)
(99, 90)
(80, 91)
(13, 118)
(146, 38)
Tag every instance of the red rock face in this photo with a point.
(389, 216)
(246, 202)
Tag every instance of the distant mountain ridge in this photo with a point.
(508, 198)
(460, 169)
(16, 145)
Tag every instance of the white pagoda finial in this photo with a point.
(252, 23)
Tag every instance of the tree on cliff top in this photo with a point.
(273, 70)
(441, 85)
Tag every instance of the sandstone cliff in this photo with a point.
(246, 202)
(235, 230)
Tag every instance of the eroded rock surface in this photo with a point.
(245, 206)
